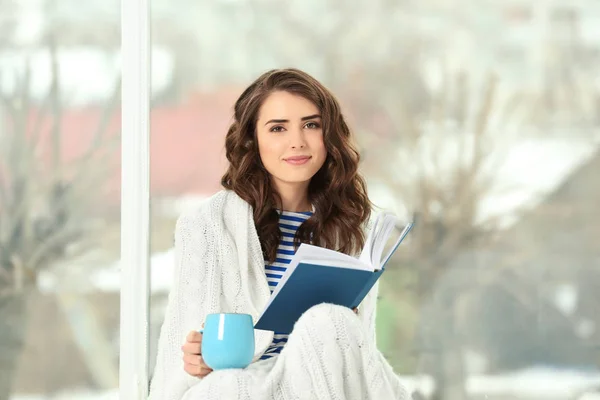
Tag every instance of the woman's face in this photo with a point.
(290, 139)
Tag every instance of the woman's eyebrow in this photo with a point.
(310, 117)
(276, 121)
(283, 121)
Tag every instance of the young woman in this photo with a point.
(292, 179)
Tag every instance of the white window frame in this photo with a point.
(135, 199)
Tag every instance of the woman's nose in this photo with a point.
(298, 139)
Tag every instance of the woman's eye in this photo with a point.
(312, 125)
(277, 129)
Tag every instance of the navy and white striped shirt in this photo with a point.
(288, 224)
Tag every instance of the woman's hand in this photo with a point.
(193, 363)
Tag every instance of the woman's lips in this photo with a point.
(297, 160)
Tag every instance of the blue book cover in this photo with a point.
(317, 275)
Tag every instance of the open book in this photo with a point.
(317, 275)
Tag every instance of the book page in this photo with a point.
(388, 225)
(366, 254)
(380, 233)
(308, 251)
(332, 262)
(393, 249)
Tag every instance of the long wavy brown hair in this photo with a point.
(337, 191)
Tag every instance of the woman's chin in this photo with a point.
(296, 179)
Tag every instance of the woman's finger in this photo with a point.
(194, 370)
(194, 336)
(199, 371)
(193, 359)
(192, 348)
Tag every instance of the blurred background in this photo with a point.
(478, 118)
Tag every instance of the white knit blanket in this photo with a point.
(331, 353)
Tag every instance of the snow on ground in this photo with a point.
(530, 384)
(535, 383)
(538, 383)
(72, 395)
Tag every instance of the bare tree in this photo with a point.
(46, 200)
(440, 162)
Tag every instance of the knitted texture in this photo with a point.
(331, 353)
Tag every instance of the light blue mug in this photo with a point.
(228, 340)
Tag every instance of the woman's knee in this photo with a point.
(330, 327)
(326, 314)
